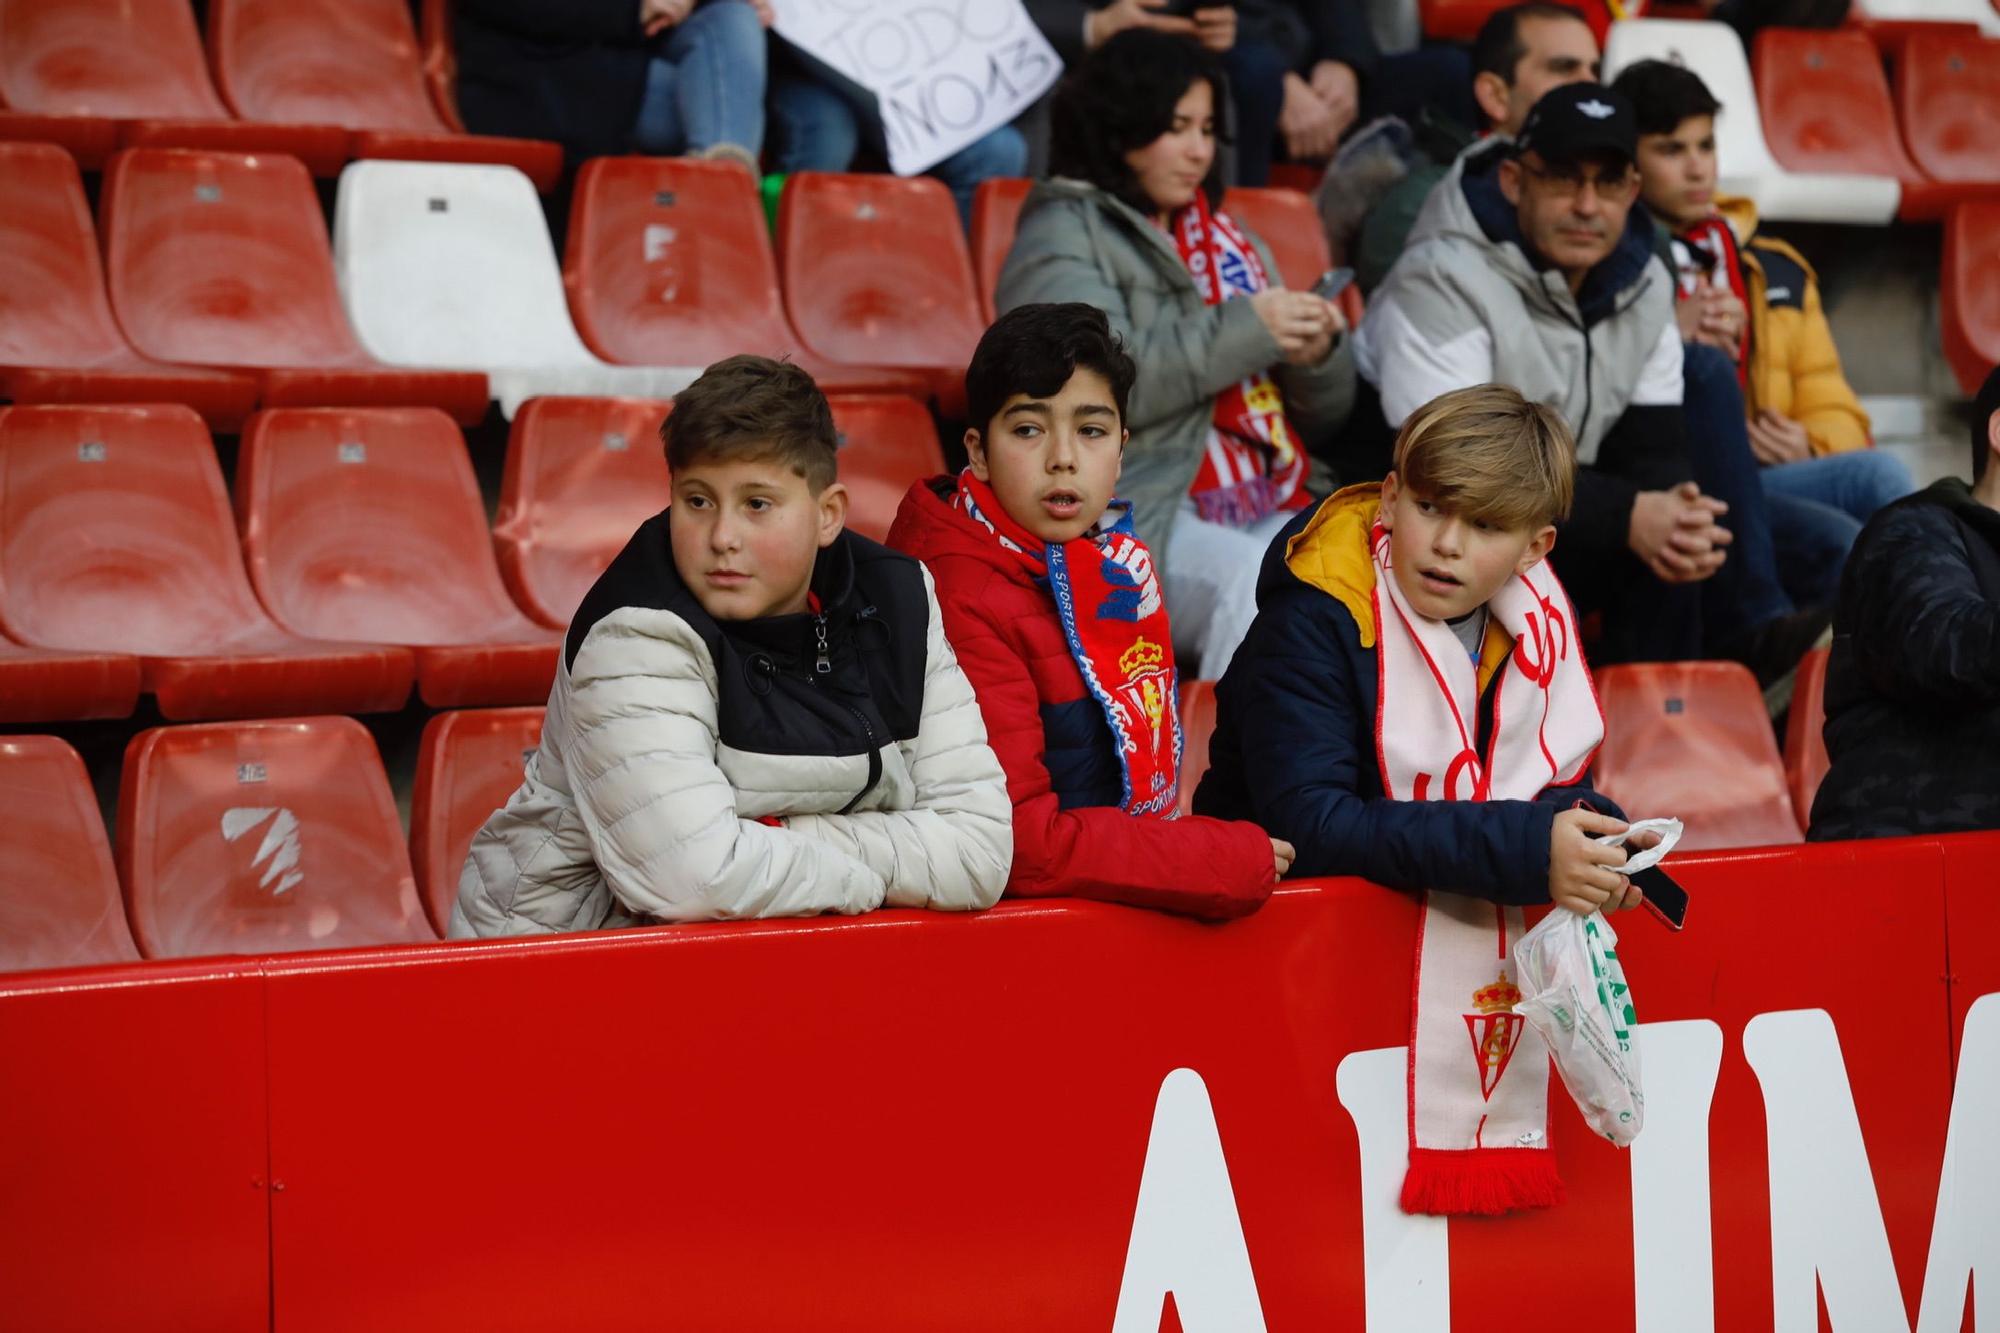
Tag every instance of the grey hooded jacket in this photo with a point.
(1076, 242)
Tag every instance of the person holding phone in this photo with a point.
(1238, 376)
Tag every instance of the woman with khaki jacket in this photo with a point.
(1238, 376)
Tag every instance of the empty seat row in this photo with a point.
(1828, 108)
(1686, 739)
(360, 528)
(245, 837)
(321, 80)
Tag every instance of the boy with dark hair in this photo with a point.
(1913, 684)
(756, 713)
(1412, 706)
(1054, 607)
(1755, 299)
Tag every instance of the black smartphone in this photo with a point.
(1664, 898)
(1181, 9)
(1332, 283)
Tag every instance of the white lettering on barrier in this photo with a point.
(1827, 1232)
(1673, 1253)
(1186, 1235)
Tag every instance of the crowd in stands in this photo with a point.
(1592, 409)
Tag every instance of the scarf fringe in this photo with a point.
(1482, 1181)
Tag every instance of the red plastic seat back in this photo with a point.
(222, 259)
(875, 270)
(1197, 727)
(52, 305)
(366, 524)
(440, 60)
(1825, 102)
(470, 763)
(1287, 222)
(669, 263)
(59, 903)
(996, 208)
(582, 474)
(1949, 93)
(115, 532)
(1805, 735)
(112, 58)
(262, 837)
(352, 63)
(1692, 740)
(887, 441)
(1969, 292)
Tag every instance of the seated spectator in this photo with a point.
(1530, 267)
(616, 76)
(1318, 61)
(1357, 722)
(1053, 607)
(1237, 374)
(821, 119)
(1913, 685)
(755, 713)
(1521, 52)
(1754, 298)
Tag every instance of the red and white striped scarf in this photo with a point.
(1479, 1075)
(1254, 464)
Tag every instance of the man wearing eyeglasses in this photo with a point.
(1531, 266)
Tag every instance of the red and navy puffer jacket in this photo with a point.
(1071, 838)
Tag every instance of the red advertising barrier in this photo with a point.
(1047, 1116)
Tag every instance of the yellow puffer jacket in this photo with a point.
(1794, 366)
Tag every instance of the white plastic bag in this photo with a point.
(1574, 992)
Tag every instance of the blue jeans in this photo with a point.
(1817, 508)
(1747, 591)
(820, 120)
(705, 84)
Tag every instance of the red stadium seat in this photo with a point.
(40, 685)
(59, 903)
(58, 341)
(1692, 740)
(115, 536)
(886, 442)
(996, 207)
(1969, 292)
(262, 837)
(369, 523)
(440, 60)
(875, 270)
(92, 75)
(1287, 222)
(222, 259)
(352, 63)
(1805, 736)
(1826, 108)
(669, 264)
(1197, 727)
(582, 474)
(1460, 20)
(470, 763)
(1948, 98)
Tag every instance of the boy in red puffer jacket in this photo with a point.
(1052, 606)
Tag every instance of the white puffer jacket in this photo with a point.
(670, 737)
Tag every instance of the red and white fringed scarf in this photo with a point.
(1254, 464)
(1479, 1075)
(1115, 622)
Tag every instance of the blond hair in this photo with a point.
(1486, 453)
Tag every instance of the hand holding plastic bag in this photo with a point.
(1574, 992)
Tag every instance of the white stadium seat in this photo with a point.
(443, 264)
(1715, 52)
(1979, 12)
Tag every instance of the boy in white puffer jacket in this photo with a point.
(756, 713)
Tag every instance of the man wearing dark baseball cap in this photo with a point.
(1537, 271)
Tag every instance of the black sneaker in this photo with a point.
(1772, 651)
